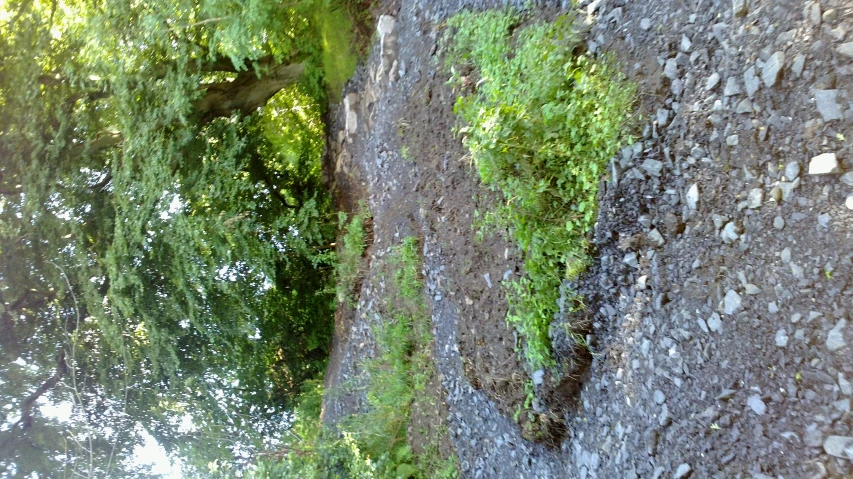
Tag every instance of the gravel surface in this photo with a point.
(722, 331)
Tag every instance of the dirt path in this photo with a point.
(722, 290)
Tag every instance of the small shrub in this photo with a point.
(540, 128)
(353, 244)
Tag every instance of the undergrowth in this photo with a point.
(541, 124)
(372, 444)
(353, 243)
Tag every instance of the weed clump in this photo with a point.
(540, 126)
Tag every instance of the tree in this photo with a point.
(164, 230)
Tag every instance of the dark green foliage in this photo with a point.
(541, 126)
(165, 236)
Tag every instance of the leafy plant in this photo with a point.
(540, 127)
(353, 244)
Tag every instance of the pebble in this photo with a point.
(732, 140)
(715, 324)
(751, 289)
(835, 338)
(686, 44)
(845, 385)
(755, 198)
(645, 23)
(847, 178)
(792, 170)
(781, 338)
(538, 377)
(732, 87)
(751, 81)
(772, 69)
(652, 167)
(797, 65)
(692, 196)
(745, 106)
(488, 278)
(656, 238)
(713, 81)
(849, 202)
(659, 397)
(846, 49)
(756, 404)
(826, 102)
(823, 164)
(730, 233)
(778, 223)
(682, 471)
(670, 70)
(785, 255)
(732, 303)
(839, 446)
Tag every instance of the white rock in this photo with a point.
(730, 233)
(713, 81)
(792, 170)
(846, 49)
(823, 164)
(732, 302)
(732, 87)
(538, 377)
(849, 201)
(781, 338)
(715, 323)
(686, 44)
(670, 70)
(756, 404)
(682, 471)
(839, 446)
(692, 197)
(755, 198)
(646, 23)
(835, 338)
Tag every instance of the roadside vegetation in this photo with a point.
(540, 123)
(373, 444)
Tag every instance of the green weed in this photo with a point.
(540, 127)
(339, 58)
(354, 241)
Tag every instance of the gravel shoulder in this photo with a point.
(721, 294)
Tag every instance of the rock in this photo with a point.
(732, 87)
(785, 255)
(751, 289)
(631, 260)
(826, 102)
(732, 303)
(692, 197)
(745, 106)
(387, 42)
(845, 385)
(732, 140)
(646, 23)
(656, 238)
(778, 223)
(739, 8)
(849, 202)
(715, 324)
(787, 188)
(781, 338)
(772, 69)
(659, 397)
(797, 65)
(670, 70)
(839, 446)
(730, 233)
(682, 471)
(663, 117)
(652, 167)
(846, 49)
(847, 178)
(835, 338)
(685, 44)
(488, 278)
(751, 81)
(350, 115)
(792, 170)
(713, 81)
(823, 164)
(755, 198)
(823, 220)
(538, 377)
(813, 437)
(725, 395)
(756, 404)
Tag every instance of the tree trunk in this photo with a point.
(247, 92)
